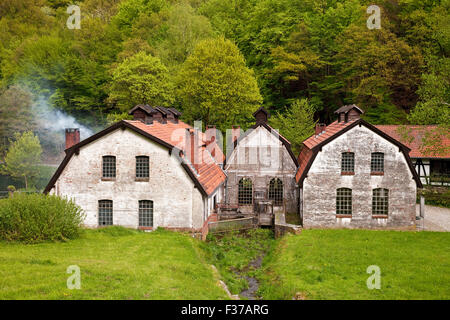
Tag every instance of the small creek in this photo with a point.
(253, 283)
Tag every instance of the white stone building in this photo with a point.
(144, 173)
(353, 175)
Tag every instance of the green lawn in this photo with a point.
(115, 263)
(332, 264)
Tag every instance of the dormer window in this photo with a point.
(348, 163)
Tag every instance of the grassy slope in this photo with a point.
(331, 264)
(115, 264)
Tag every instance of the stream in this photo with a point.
(253, 283)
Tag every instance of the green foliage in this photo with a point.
(15, 114)
(332, 264)
(35, 218)
(23, 157)
(319, 50)
(140, 79)
(215, 85)
(232, 252)
(296, 124)
(435, 196)
(159, 265)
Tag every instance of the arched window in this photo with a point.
(276, 191)
(380, 202)
(145, 213)
(245, 194)
(344, 201)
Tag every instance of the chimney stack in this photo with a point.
(192, 147)
(72, 137)
(320, 127)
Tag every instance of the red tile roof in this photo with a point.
(207, 175)
(208, 172)
(330, 131)
(412, 136)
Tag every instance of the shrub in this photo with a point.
(35, 218)
(435, 196)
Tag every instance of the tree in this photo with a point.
(15, 112)
(296, 123)
(23, 157)
(141, 78)
(215, 85)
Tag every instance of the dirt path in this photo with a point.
(436, 218)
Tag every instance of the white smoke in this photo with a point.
(55, 121)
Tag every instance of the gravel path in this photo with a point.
(436, 218)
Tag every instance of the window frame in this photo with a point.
(107, 166)
(380, 203)
(377, 164)
(347, 163)
(104, 204)
(137, 169)
(141, 214)
(245, 194)
(344, 202)
(275, 194)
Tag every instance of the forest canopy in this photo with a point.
(219, 60)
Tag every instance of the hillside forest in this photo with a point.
(218, 61)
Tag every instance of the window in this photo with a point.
(245, 194)
(348, 163)
(145, 213)
(142, 167)
(105, 213)
(344, 201)
(377, 162)
(276, 191)
(109, 167)
(380, 202)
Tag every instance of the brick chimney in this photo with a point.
(211, 136)
(192, 147)
(320, 127)
(72, 137)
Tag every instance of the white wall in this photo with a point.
(324, 177)
(177, 204)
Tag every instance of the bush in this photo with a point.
(435, 196)
(37, 217)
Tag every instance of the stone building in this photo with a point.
(149, 172)
(260, 167)
(353, 175)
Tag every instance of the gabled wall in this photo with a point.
(324, 177)
(177, 204)
(261, 156)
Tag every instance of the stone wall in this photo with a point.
(261, 157)
(177, 204)
(324, 177)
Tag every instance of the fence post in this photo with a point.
(422, 206)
